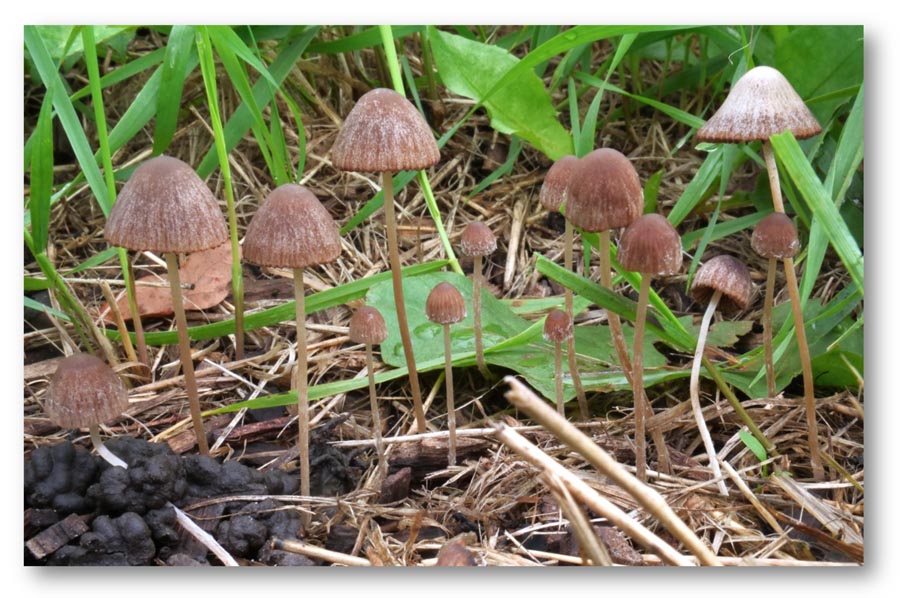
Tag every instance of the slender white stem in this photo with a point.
(570, 311)
(695, 393)
(104, 452)
(451, 407)
(299, 383)
(376, 414)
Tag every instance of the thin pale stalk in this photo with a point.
(774, 183)
(768, 306)
(640, 415)
(618, 337)
(570, 309)
(143, 357)
(695, 393)
(451, 408)
(184, 348)
(102, 451)
(376, 414)
(476, 314)
(120, 321)
(387, 186)
(809, 397)
(581, 527)
(557, 369)
(299, 383)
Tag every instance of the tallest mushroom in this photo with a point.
(384, 133)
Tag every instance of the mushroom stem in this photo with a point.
(557, 368)
(299, 383)
(136, 317)
(774, 183)
(809, 397)
(570, 344)
(101, 449)
(387, 186)
(767, 325)
(476, 314)
(618, 338)
(640, 415)
(695, 393)
(376, 415)
(451, 409)
(184, 348)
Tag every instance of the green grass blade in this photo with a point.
(367, 38)
(697, 188)
(515, 148)
(42, 177)
(173, 71)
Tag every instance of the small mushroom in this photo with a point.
(165, 208)
(292, 229)
(558, 330)
(445, 305)
(367, 326)
(722, 280)
(652, 247)
(478, 241)
(385, 133)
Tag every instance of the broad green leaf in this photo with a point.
(57, 39)
(179, 47)
(522, 107)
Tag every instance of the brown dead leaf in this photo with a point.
(209, 272)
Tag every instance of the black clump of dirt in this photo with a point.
(124, 540)
(58, 476)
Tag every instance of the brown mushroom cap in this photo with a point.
(651, 245)
(455, 554)
(775, 237)
(84, 392)
(726, 274)
(557, 327)
(165, 207)
(604, 192)
(477, 239)
(291, 229)
(445, 305)
(384, 133)
(553, 191)
(367, 326)
(762, 103)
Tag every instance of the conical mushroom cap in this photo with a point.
(557, 327)
(384, 133)
(477, 239)
(553, 190)
(445, 305)
(604, 192)
(291, 229)
(367, 326)
(651, 245)
(165, 207)
(726, 274)
(775, 237)
(762, 103)
(84, 392)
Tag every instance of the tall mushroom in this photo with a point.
(477, 241)
(722, 281)
(165, 208)
(384, 133)
(445, 305)
(651, 246)
(558, 330)
(292, 229)
(367, 326)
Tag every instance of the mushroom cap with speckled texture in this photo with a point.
(291, 229)
(477, 239)
(367, 326)
(775, 237)
(166, 208)
(727, 274)
(445, 304)
(762, 103)
(557, 327)
(604, 192)
(651, 245)
(553, 190)
(84, 392)
(384, 133)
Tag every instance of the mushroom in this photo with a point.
(478, 241)
(445, 305)
(367, 326)
(651, 246)
(292, 229)
(723, 280)
(165, 208)
(384, 133)
(553, 197)
(558, 330)
(775, 237)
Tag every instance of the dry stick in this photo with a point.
(299, 383)
(120, 321)
(184, 348)
(587, 495)
(809, 397)
(136, 318)
(767, 325)
(319, 553)
(647, 497)
(695, 393)
(578, 523)
(570, 309)
(476, 314)
(387, 187)
(618, 337)
(451, 409)
(640, 409)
